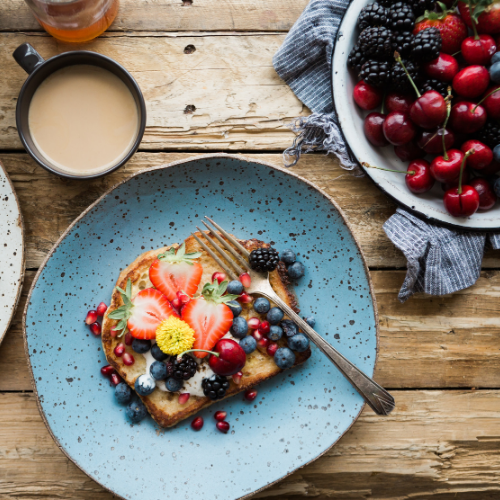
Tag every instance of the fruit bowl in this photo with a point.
(428, 205)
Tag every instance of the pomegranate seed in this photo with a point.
(245, 298)
(95, 328)
(263, 342)
(91, 317)
(197, 423)
(220, 277)
(183, 398)
(115, 379)
(220, 415)
(128, 359)
(101, 309)
(272, 348)
(107, 370)
(119, 350)
(113, 332)
(128, 338)
(237, 377)
(265, 327)
(250, 394)
(222, 426)
(184, 298)
(176, 303)
(253, 323)
(245, 279)
(257, 335)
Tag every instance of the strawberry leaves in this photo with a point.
(180, 256)
(124, 312)
(214, 292)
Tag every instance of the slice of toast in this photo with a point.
(163, 406)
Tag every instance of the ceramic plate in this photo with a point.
(299, 414)
(429, 205)
(11, 252)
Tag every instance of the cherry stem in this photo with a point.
(367, 165)
(448, 111)
(398, 59)
(474, 29)
(200, 350)
(470, 152)
(486, 97)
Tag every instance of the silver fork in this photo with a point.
(376, 396)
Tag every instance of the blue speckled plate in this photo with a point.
(298, 415)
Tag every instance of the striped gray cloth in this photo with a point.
(440, 261)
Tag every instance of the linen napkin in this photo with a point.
(440, 260)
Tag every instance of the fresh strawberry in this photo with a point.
(209, 316)
(453, 30)
(142, 314)
(175, 272)
(486, 15)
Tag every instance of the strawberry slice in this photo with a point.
(209, 316)
(143, 314)
(174, 272)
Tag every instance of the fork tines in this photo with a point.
(229, 264)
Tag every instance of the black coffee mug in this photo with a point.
(39, 69)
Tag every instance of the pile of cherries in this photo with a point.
(444, 127)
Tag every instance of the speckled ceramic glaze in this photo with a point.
(11, 252)
(297, 416)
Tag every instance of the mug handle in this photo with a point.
(28, 58)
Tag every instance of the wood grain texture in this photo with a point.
(436, 444)
(178, 15)
(240, 102)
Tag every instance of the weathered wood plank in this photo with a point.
(241, 103)
(178, 15)
(436, 444)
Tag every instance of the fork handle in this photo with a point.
(379, 400)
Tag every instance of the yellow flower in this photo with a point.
(174, 336)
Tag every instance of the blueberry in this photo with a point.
(275, 333)
(158, 370)
(136, 411)
(310, 320)
(496, 153)
(275, 315)
(284, 358)
(298, 342)
(289, 327)
(288, 256)
(496, 186)
(141, 346)
(248, 344)
(495, 72)
(239, 328)
(144, 385)
(234, 287)
(158, 354)
(123, 393)
(173, 384)
(495, 58)
(296, 270)
(235, 308)
(261, 305)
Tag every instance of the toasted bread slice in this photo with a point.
(163, 406)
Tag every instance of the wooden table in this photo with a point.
(206, 73)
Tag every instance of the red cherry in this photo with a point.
(446, 170)
(482, 157)
(398, 102)
(492, 168)
(487, 198)
(373, 129)
(454, 182)
(478, 50)
(492, 103)
(366, 96)
(429, 110)
(197, 423)
(471, 81)
(467, 117)
(431, 141)
(444, 68)
(463, 204)
(421, 180)
(231, 359)
(398, 128)
(409, 151)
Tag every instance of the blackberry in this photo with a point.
(426, 45)
(376, 73)
(356, 59)
(400, 80)
(185, 368)
(264, 259)
(401, 17)
(215, 387)
(372, 15)
(431, 84)
(386, 3)
(376, 42)
(402, 42)
(489, 134)
(420, 6)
